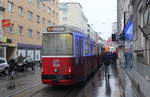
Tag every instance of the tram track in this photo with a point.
(56, 91)
(18, 92)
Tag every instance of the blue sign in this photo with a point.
(128, 30)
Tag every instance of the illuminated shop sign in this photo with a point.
(6, 23)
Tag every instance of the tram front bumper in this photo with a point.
(57, 79)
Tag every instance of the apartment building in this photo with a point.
(29, 18)
(70, 13)
(2, 37)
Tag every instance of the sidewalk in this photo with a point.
(135, 81)
(20, 82)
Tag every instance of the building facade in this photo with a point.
(29, 18)
(2, 37)
(136, 21)
(114, 27)
(72, 14)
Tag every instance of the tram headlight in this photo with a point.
(69, 69)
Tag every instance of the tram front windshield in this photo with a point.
(57, 44)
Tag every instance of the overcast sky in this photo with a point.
(100, 14)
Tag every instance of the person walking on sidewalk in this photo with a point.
(107, 60)
(114, 59)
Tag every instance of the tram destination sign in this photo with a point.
(56, 29)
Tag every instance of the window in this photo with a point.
(30, 15)
(49, 10)
(20, 11)
(64, 18)
(38, 18)
(49, 22)
(65, 11)
(43, 20)
(42, 5)
(53, 1)
(146, 18)
(10, 6)
(2, 61)
(29, 0)
(30, 32)
(53, 12)
(38, 3)
(10, 29)
(20, 28)
(57, 44)
(38, 35)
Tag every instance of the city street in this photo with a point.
(48, 46)
(28, 84)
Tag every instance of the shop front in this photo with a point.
(28, 50)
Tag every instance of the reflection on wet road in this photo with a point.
(30, 86)
(94, 87)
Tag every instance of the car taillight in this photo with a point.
(69, 69)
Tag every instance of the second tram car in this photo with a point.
(68, 55)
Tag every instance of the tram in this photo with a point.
(68, 55)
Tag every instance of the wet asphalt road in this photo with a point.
(28, 84)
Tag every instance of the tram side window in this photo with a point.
(91, 49)
(81, 46)
(86, 47)
(77, 47)
(95, 50)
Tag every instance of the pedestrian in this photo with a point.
(114, 58)
(107, 59)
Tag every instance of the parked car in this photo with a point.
(25, 62)
(4, 66)
(20, 62)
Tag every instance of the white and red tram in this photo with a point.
(68, 55)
